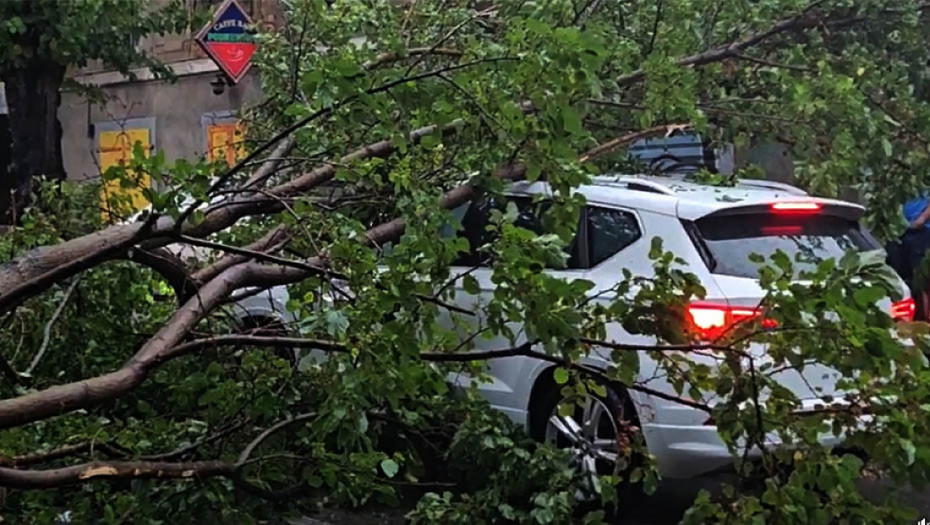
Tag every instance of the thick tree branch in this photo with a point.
(271, 242)
(39, 269)
(270, 165)
(250, 254)
(624, 140)
(41, 479)
(168, 266)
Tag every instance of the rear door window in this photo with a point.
(728, 240)
(475, 218)
(609, 231)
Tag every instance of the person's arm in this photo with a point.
(921, 219)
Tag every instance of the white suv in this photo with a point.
(714, 229)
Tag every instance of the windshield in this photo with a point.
(730, 239)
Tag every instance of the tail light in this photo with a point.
(710, 321)
(903, 310)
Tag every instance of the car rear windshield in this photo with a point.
(728, 240)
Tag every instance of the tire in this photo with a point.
(605, 447)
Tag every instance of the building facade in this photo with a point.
(192, 116)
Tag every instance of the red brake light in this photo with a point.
(708, 317)
(711, 321)
(796, 207)
(903, 310)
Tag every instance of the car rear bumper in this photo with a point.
(689, 450)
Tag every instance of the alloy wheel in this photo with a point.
(591, 432)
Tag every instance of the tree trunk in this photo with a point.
(6, 157)
(33, 96)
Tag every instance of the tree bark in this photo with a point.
(39, 479)
(33, 96)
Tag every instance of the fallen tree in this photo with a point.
(438, 107)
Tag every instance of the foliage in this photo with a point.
(525, 87)
(39, 41)
(514, 479)
(80, 31)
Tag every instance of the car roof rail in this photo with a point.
(772, 185)
(634, 183)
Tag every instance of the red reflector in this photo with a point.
(903, 310)
(711, 321)
(796, 207)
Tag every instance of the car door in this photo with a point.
(504, 375)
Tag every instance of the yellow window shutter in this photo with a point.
(116, 149)
(226, 142)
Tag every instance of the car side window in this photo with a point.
(475, 221)
(609, 231)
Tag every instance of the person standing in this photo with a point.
(915, 244)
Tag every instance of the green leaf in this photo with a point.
(470, 285)
(571, 120)
(560, 375)
(336, 323)
(390, 467)
(869, 295)
(507, 511)
(537, 26)
(348, 67)
(655, 248)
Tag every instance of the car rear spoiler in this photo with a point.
(796, 207)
